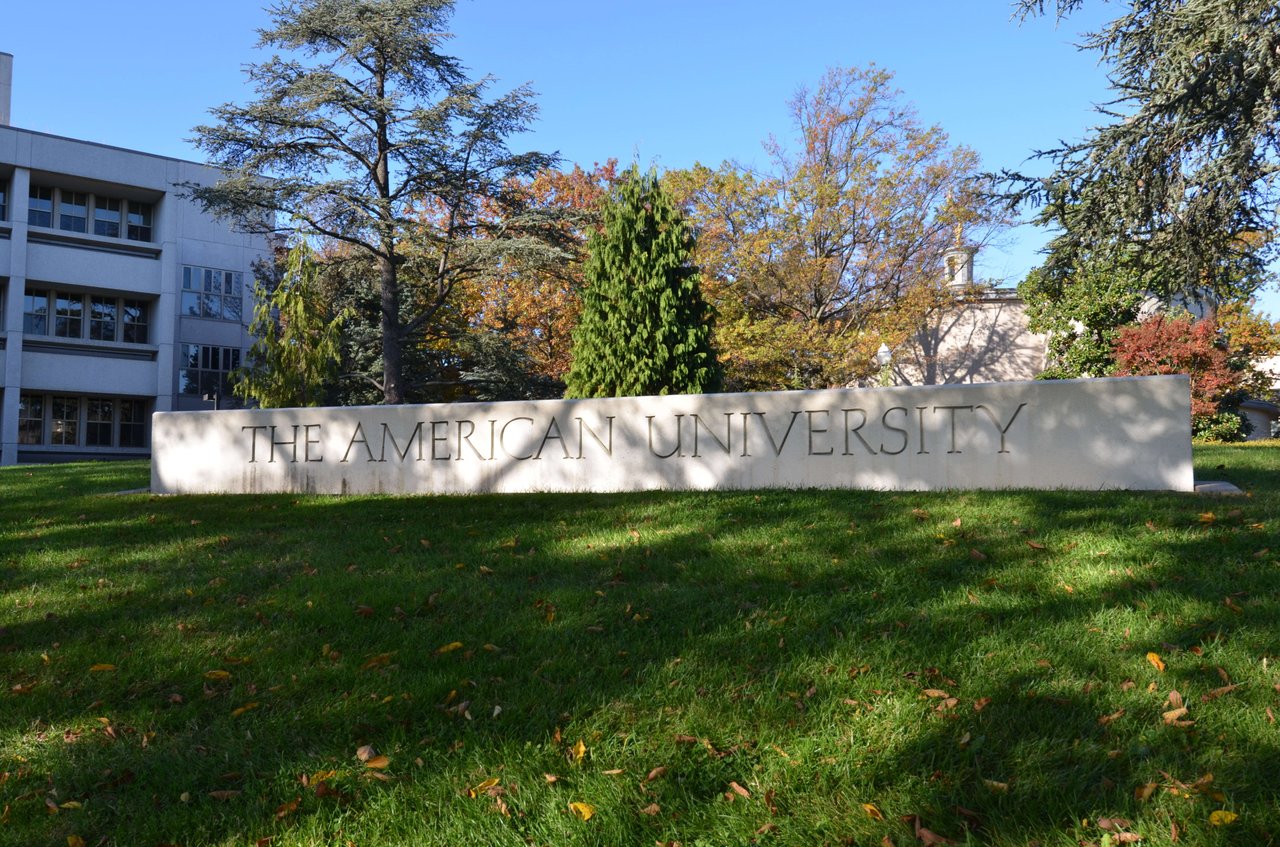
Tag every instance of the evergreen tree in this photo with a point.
(368, 135)
(644, 328)
(492, 368)
(1182, 174)
(293, 360)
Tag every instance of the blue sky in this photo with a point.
(667, 82)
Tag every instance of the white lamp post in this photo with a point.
(883, 357)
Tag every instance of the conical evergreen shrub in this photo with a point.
(644, 327)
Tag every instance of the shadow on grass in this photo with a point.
(806, 646)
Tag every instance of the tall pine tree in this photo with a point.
(644, 328)
(1182, 178)
(371, 137)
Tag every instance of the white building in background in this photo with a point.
(981, 337)
(118, 296)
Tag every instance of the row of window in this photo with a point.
(207, 293)
(79, 211)
(81, 421)
(204, 370)
(68, 314)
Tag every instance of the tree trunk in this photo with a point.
(392, 387)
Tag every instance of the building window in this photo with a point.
(68, 319)
(30, 419)
(4, 201)
(99, 415)
(35, 312)
(64, 413)
(212, 293)
(110, 318)
(82, 421)
(204, 370)
(103, 312)
(135, 321)
(106, 216)
(73, 211)
(139, 221)
(40, 206)
(133, 423)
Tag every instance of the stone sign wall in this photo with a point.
(1132, 432)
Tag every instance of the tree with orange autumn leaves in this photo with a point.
(533, 306)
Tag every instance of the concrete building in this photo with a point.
(118, 296)
(981, 337)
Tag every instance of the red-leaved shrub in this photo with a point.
(1165, 345)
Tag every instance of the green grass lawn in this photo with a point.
(774, 668)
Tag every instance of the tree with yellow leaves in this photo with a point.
(839, 246)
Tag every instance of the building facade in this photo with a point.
(981, 337)
(119, 297)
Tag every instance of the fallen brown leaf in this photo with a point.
(1218, 692)
(1113, 824)
(928, 837)
(1111, 718)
